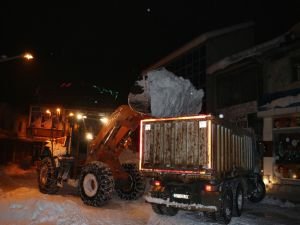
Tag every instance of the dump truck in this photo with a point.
(95, 166)
(200, 163)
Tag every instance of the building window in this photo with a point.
(237, 87)
(192, 66)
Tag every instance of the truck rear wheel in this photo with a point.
(225, 212)
(47, 176)
(135, 186)
(210, 215)
(259, 191)
(157, 208)
(169, 211)
(238, 202)
(96, 184)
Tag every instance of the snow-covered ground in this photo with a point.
(22, 204)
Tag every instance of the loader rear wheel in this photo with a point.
(96, 184)
(135, 186)
(259, 191)
(47, 176)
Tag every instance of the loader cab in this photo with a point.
(82, 132)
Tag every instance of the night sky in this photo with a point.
(108, 45)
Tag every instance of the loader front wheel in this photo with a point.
(135, 186)
(47, 176)
(96, 184)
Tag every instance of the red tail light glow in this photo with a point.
(156, 183)
(210, 188)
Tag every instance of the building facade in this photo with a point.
(191, 60)
(260, 88)
(253, 86)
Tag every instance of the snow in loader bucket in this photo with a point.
(168, 203)
(160, 93)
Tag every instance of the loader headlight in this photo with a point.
(104, 120)
(89, 136)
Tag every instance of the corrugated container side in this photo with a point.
(189, 145)
(174, 144)
(231, 149)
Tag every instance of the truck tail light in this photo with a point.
(156, 183)
(210, 188)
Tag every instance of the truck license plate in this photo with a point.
(181, 196)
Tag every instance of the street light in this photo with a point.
(26, 56)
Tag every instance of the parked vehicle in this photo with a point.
(199, 163)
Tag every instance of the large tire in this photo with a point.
(210, 215)
(157, 208)
(238, 202)
(169, 211)
(47, 176)
(96, 184)
(224, 214)
(136, 187)
(259, 192)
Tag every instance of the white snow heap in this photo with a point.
(171, 95)
(168, 203)
(282, 102)
(251, 52)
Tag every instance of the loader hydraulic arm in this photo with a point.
(111, 138)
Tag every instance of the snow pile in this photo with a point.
(15, 170)
(278, 202)
(172, 96)
(25, 206)
(282, 102)
(38, 210)
(166, 95)
(168, 203)
(252, 52)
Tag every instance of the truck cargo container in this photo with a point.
(200, 163)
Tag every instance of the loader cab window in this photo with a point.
(79, 141)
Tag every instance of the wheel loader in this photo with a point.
(95, 166)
